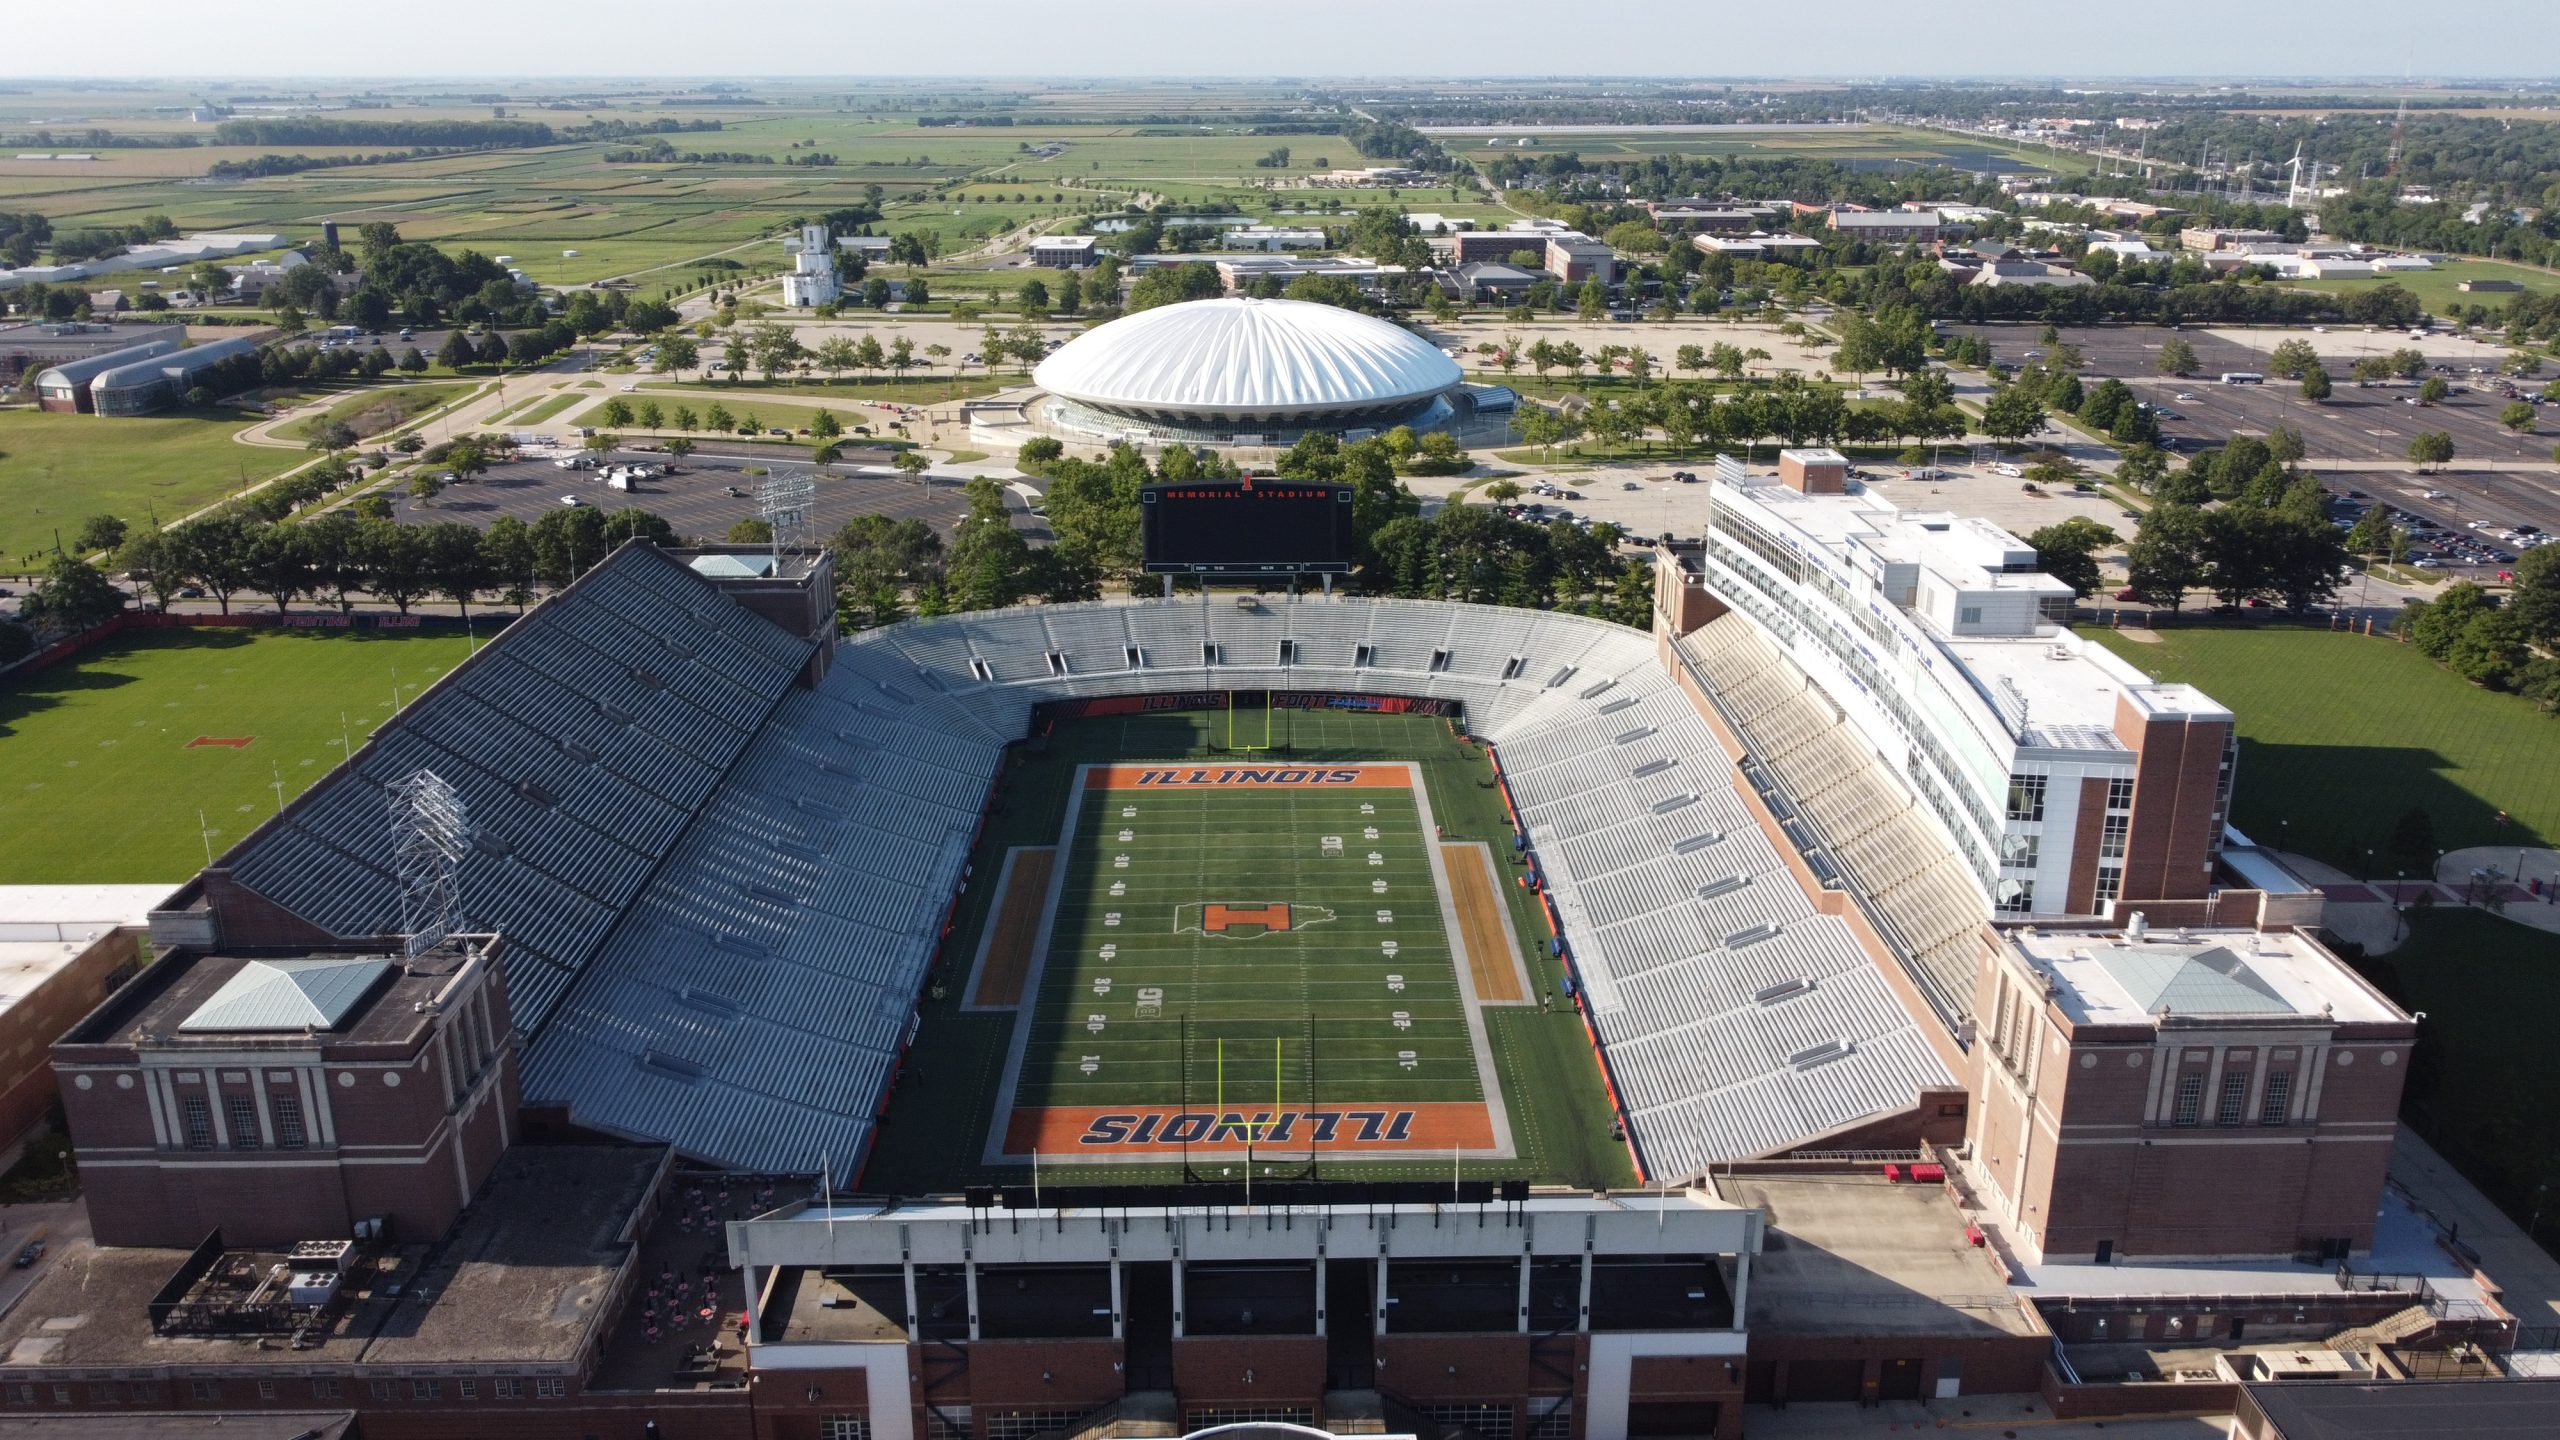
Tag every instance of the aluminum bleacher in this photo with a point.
(721, 889)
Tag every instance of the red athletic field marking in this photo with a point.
(1210, 777)
(1483, 925)
(1350, 1128)
(1017, 920)
(1215, 917)
(225, 742)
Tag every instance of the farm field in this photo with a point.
(1307, 987)
(58, 470)
(2340, 735)
(106, 770)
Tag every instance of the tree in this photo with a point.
(676, 354)
(617, 413)
(2430, 447)
(2292, 359)
(2167, 556)
(2517, 416)
(567, 541)
(2012, 414)
(679, 447)
(2372, 533)
(98, 532)
(506, 554)
(1033, 297)
(457, 566)
(751, 532)
(71, 596)
(2433, 389)
(2315, 384)
(424, 486)
(395, 562)
(458, 351)
(213, 551)
(2143, 467)
(825, 426)
(17, 642)
(651, 416)
(2177, 357)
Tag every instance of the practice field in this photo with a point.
(112, 764)
(1247, 954)
(58, 470)
(1252, 932)
(2341, 735)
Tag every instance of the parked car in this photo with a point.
(29, 1256)
(571, 501)
(2005, 468)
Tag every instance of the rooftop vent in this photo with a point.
(1750, 935)
(535, 792)
(770, 894)
(1560, 677)
(1653, 767)
(704, 1000)
(1669, 803)
(489, 843)
(1772, 994)
(1725, 886)
(1623, 702)
(580, 753)
(1629, 737)
(673, 1067)
(1696, 843)
(1820, 1055)
(1594, 692)
(612, 712)
(646, 678)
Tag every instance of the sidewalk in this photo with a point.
(2522, 1270)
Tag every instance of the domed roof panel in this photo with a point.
(1246, 357)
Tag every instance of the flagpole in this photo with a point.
(1035, 1177)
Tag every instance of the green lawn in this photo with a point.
(907, 390)
(98, 783)
(57, 470)
(546, 408)
(2491, 993)
(2436, 289)
(937, 1123)
(2340, 735)
(388, 407)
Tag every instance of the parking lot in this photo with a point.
(2354, 424)
(697, 500)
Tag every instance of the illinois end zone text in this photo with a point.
(1350, 1129)
(1198, 777)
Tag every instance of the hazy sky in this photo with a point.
(1268, 38)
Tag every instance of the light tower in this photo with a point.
(430, 830)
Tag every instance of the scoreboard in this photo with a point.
(1245, 529)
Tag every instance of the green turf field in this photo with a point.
(58, 470)
(2341, 734)
(1151, 991)
(98, 783)
(1327, 997)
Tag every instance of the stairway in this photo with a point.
(2397, 1328)
(1355, 1412)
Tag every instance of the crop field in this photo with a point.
(1865, 147)
(58, 470)
(1186, 948)
(126, 765)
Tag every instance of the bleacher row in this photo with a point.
(1876, 829)
(1736, 1020)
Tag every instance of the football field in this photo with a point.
(134, 761)
(1246, 955)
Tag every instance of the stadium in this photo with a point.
(1249, 372)
(725, 886)
(1413, 1016)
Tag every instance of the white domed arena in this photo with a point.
(1245, 371)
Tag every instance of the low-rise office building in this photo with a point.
(1575, 258)
(1064, 252)
(1894, 227)
(160, 381)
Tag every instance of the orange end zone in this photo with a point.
(221, 742)
(1215, 918)
(1102, 1133)
(1149, 777)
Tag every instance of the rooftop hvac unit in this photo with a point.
(320, 1254)
(313, 1289)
